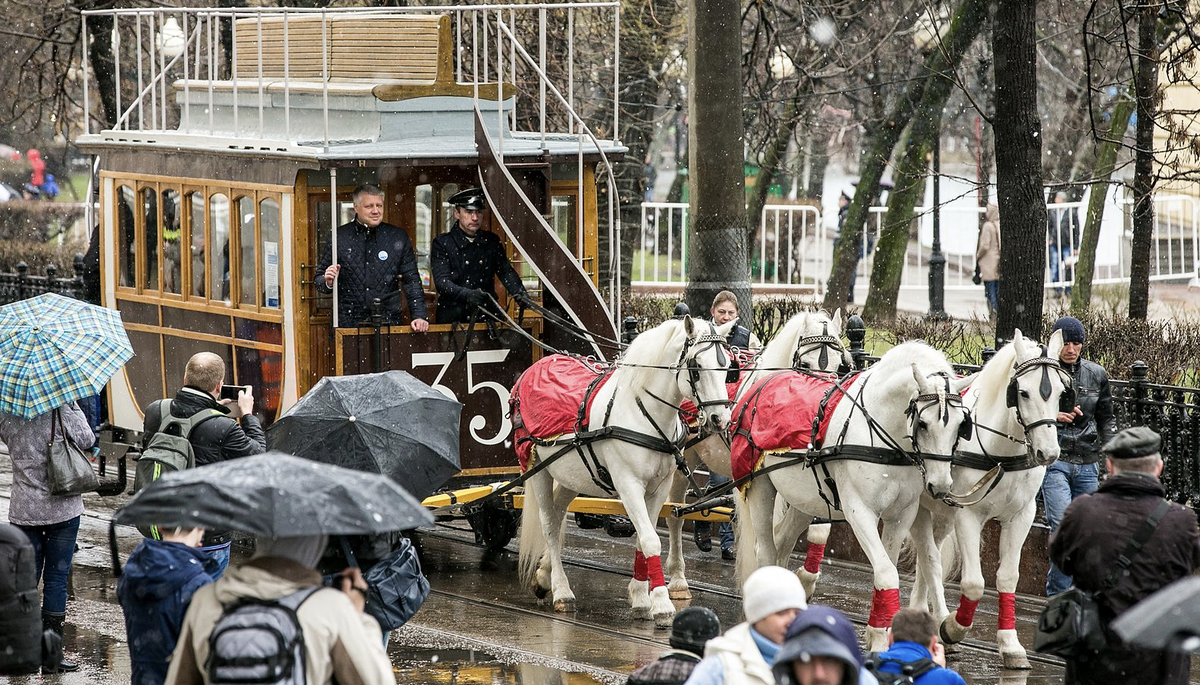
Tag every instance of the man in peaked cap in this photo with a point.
(466, 261)
(693, 627)
(1094, 533)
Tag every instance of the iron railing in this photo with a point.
(21, 285)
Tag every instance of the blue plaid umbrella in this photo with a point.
(54, 350)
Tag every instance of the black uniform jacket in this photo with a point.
(1094, 531)
(1082, 439)
(215, 440)
(375, 262)
(460, 264)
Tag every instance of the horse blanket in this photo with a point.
(782, 412)
(552, 398)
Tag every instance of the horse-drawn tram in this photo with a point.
(242, 136)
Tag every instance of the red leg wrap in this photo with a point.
(966, 611)
(813, 557)
(654, 569)
(884, 605)
(639, 566)
(1008, 611)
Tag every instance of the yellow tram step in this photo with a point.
(583, 505)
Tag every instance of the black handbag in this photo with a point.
(1070, 625)
(68, 470)
(396, 586)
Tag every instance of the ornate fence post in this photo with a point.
(22, 278)
(52, 285)
(986, 354)
(629, 324)
(1139, 395)
(77, 283)
(856, 333)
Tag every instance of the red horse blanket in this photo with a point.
(777, 413)
(547, 398)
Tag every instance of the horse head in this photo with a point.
(705, 359)
(1038, 389)
(938, 421)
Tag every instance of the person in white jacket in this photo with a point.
(340, 641)
(745, 653)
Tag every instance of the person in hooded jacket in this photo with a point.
(821, 648)
(154, 591)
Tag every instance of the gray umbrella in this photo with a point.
(276, 495)
(389, 423)
(1167, 619)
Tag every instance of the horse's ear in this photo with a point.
(726, 328)
(922, 383)
(1056, 345)
(689, 326)
(960, 384)
(837, 320)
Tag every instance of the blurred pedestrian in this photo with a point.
(1095, 533)
(745, 653)
(821, 648)
(50, 521)
(914, 649)
(154, 591)
(1062, 228)
(340, 643)
(1081, 431)
(987, 258)
(37, 177)
(692, 629)
(233, 432)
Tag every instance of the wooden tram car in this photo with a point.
(219, 187)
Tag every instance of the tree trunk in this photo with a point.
(101, 65)
(1019, 169)
(1060, 149)
(716, 135)
(1106, 161)
(1146, 84)
(913, 163)
(769, 170)
(818, 160)
(964, 26)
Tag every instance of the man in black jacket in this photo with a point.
(235, 434)
(374, 260)
(1081, 432)
(467, 260)
(1095, 532)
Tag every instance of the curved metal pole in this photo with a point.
(333, 227)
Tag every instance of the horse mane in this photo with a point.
(779, 352)
(900, 358)
(992, 382)
(649, 349)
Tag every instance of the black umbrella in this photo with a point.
(389, 423)
(276, 495)
(1167, 619)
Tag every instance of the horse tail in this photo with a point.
(747, 540)
(533, 537)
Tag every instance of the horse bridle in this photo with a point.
(943, 398)
(824, 342)
(719, 345)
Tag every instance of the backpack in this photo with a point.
(910, 671)
(259, 641)
(397, 587)
(20, 605)
(170, 449)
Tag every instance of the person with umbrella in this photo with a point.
(53, 351)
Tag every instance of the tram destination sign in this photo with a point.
(480, 378)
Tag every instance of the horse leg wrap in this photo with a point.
(654, 570)
(1008, 611)
(813, 557)
(884, 605)
(639, 567)
(966, 611)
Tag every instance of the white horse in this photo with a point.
(911, 399)
(1015, 404)
(677, 359)
(809, 340)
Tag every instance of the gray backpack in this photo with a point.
(259, 641)
(170, 449)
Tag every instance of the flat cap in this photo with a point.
(1132, 443)
(471, 198)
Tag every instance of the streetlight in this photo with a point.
(926, 39)
(170, 39)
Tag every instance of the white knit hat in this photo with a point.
(771, 589)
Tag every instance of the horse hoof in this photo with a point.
(564, 606)
(808, 581)
(664, 620)
(684, 593)
(877, 639)
(641, 613)
(951, 632)
(540, 592)
(1016, 661)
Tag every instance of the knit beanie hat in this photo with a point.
(1072, 329)
(771, 589)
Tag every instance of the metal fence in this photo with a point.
(21, 285)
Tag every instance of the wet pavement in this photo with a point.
(481, 626)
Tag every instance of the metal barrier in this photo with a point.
(20, 285)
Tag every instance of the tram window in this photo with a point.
(172, 267)
(268, 221)
(150, 232)
(564, 219)
(126, 246)
(218, 223)
(424, 214)
(448, 191)
(196, 243)
(248, 265)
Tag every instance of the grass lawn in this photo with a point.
(676, 266)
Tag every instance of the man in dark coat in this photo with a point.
(154, 591)
(374, 259)
(466, 262)
(1081, 432)
(692, 627)
(232, 432)
(1096, 530)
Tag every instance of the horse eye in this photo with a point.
(922, 425)
(1024, 393)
